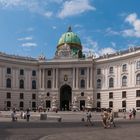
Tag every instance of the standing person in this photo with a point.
(111, 118)
(104, 118)
(28, 115)
(14, 116)
(134, 113)
(88, 115)
(130, 114)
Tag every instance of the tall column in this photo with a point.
(87, 77)
(91, 77)
(77, 77)
(43, 78)
(40, 78)
(57, 78)
(73, 77)
(53, 86)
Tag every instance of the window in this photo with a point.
(123, 94)
(8, 83)
(124, 67)
(99, 83)
(82, 83)
(49, 72)
(99, 104)
(21, 104)
(8, 95)
(111, 70)
(138, 103)
(138, 64)
(33, 84)
(33, 96)
(82, 71)
(110, 104)
(21, 72)
(98, 71)
(124, 81)
(48, 94)
(111, 82)
(110, 95)
(49, 84)
(8, 70)
(138, 79)
(8, 104)
(82, 93)
(21, 96)
(137, 93)
(123, 103)
(33, 73)
(98, 96)
(34, 105)
(21, 84)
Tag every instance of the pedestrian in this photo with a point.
(111, 118)
(134, 113)
(28, 115)
(104, 118)
(88, 115)
(14, 116)
(130, 114)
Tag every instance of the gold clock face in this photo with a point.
(65, 77)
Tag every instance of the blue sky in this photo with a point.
(30, 27)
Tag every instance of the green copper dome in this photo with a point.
(70, 38)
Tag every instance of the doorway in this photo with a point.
(65, 97)
(82, 104)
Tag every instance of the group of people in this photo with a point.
(24, 115)
(132, 113)
(107, 118)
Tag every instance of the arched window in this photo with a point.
(124, 81)
(21, 105)
(111, 82)
(82, 83)
(123, 103)
(8, 83)
(49, 84)
(21, 84)
(138, 79)
(99, 83)
(110, 104)
(33, 84)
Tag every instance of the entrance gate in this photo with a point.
(65, 97)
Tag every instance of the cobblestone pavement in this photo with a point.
(71, 128)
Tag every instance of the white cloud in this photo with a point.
(54, 27)
(48, 14)
(75, 7)
(36, 6)
(109, 31)
(133, 20)
(25, 38)
(107, 50)
(29, 44)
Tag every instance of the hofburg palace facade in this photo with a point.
(70, 80)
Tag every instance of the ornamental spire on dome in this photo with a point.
(69, 29)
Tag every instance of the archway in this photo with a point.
(65, 97)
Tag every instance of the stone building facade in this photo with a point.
(70, 80)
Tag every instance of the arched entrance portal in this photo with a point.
(65, 97)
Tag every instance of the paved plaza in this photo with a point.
(71, 128)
